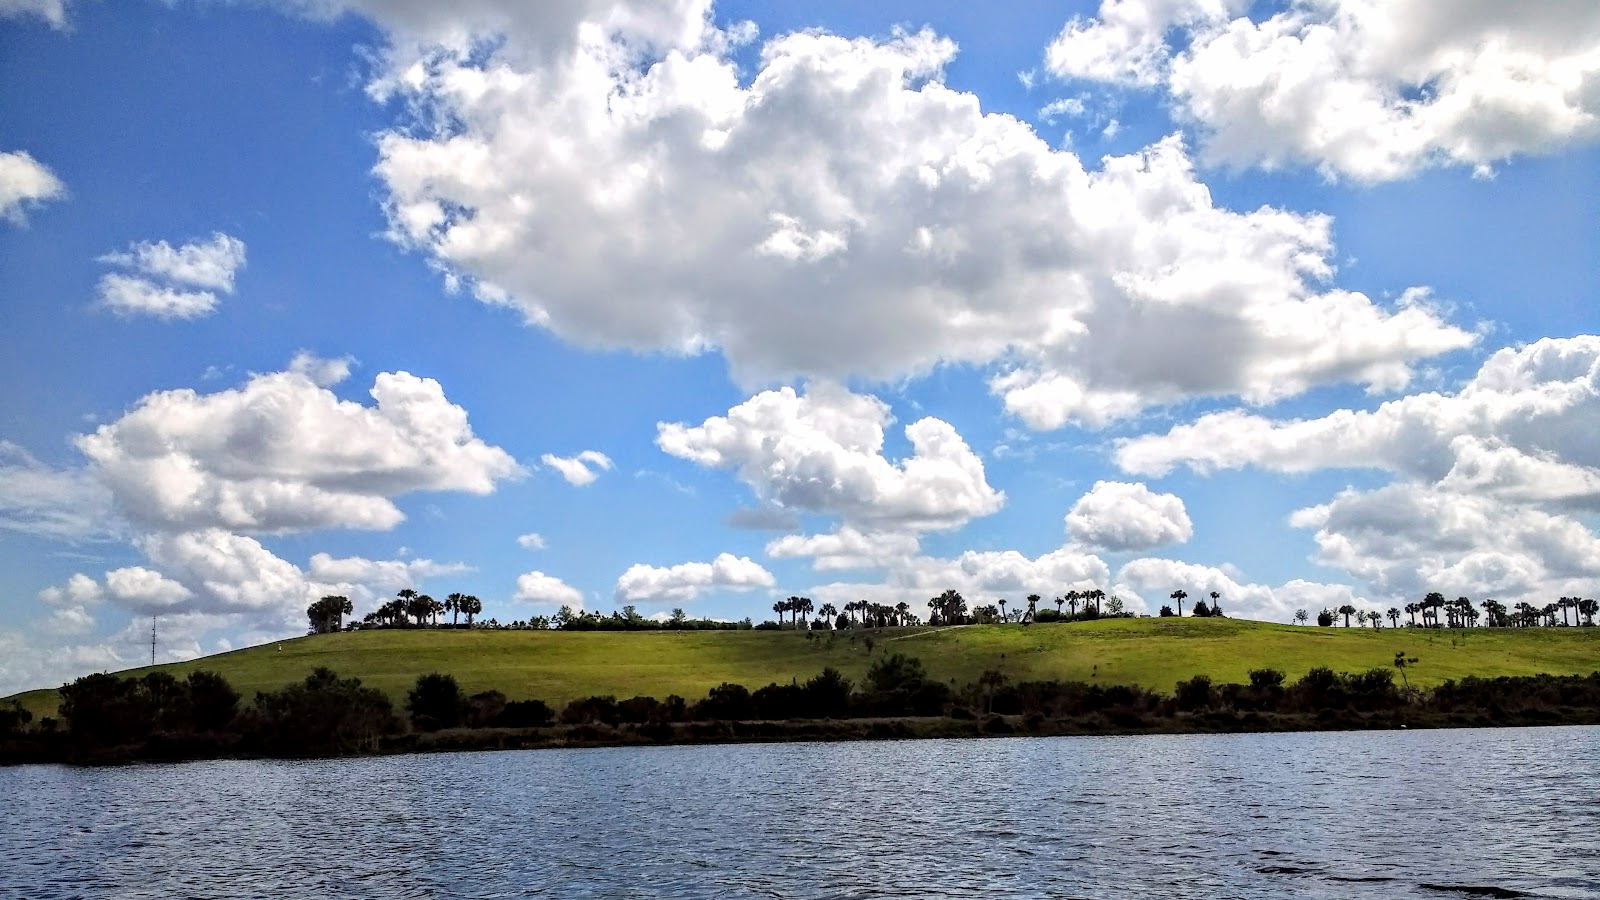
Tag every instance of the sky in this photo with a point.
(690, 305)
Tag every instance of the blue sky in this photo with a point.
(1152, 297)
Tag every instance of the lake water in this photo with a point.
(1374, 814)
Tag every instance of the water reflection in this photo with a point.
(1510, 812)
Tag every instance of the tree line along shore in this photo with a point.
(157, 716)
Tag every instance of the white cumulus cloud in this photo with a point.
(537, 587)
(689, 580)
(581, 469)
(823, 452)
(846, 548)
(1368, 90)
(25, 182)
(533, 540)
(283, 453)
(1117, 515)
(172, 282)
(839, 211)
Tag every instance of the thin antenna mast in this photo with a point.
(152, 640)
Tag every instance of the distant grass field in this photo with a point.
(1156, 653)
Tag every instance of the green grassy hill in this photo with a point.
(559, 666)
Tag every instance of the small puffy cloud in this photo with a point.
(24, 181)
(823, 452)
(383, 574)
(131, 295)
(172, 282)
(533, 540)
(322, 372)
(1120, 516)
(80, 590)
(537, 587)
(283, 453)
(147, 591)
(39, 500)
(1369, 91)
(846, 548)
(687, 581)
(581, 469)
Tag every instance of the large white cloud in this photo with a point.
(823, 452)
(24, 181)
(172, 282)
(1117, 515)
(1521, 429)
(1486, 478)
(689, 580)
(1407, 540)
(841, 212)
(283, 453)
(1369, 89)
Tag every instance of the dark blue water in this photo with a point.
(1380, 814)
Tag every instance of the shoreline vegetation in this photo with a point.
(159, 718)
(395, 683)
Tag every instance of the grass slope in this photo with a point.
(1156, 653)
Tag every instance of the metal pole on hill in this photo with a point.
(152, 640)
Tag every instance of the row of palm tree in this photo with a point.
(410, 607)
(1461, 613)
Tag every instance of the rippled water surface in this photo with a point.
(1512, 812)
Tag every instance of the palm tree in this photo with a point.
(1394, 617)
(1178, 596)
(952, 607)
(1097, 596)
(1431, 605)
(1347, 611)
(902, 612)
(1589, 608)
(403, 608)
(1216, 603)
(1003, 616)
(1059, 601)
(1033, 607)
(452, 605)
(471, 606)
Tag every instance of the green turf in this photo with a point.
(559, 666)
